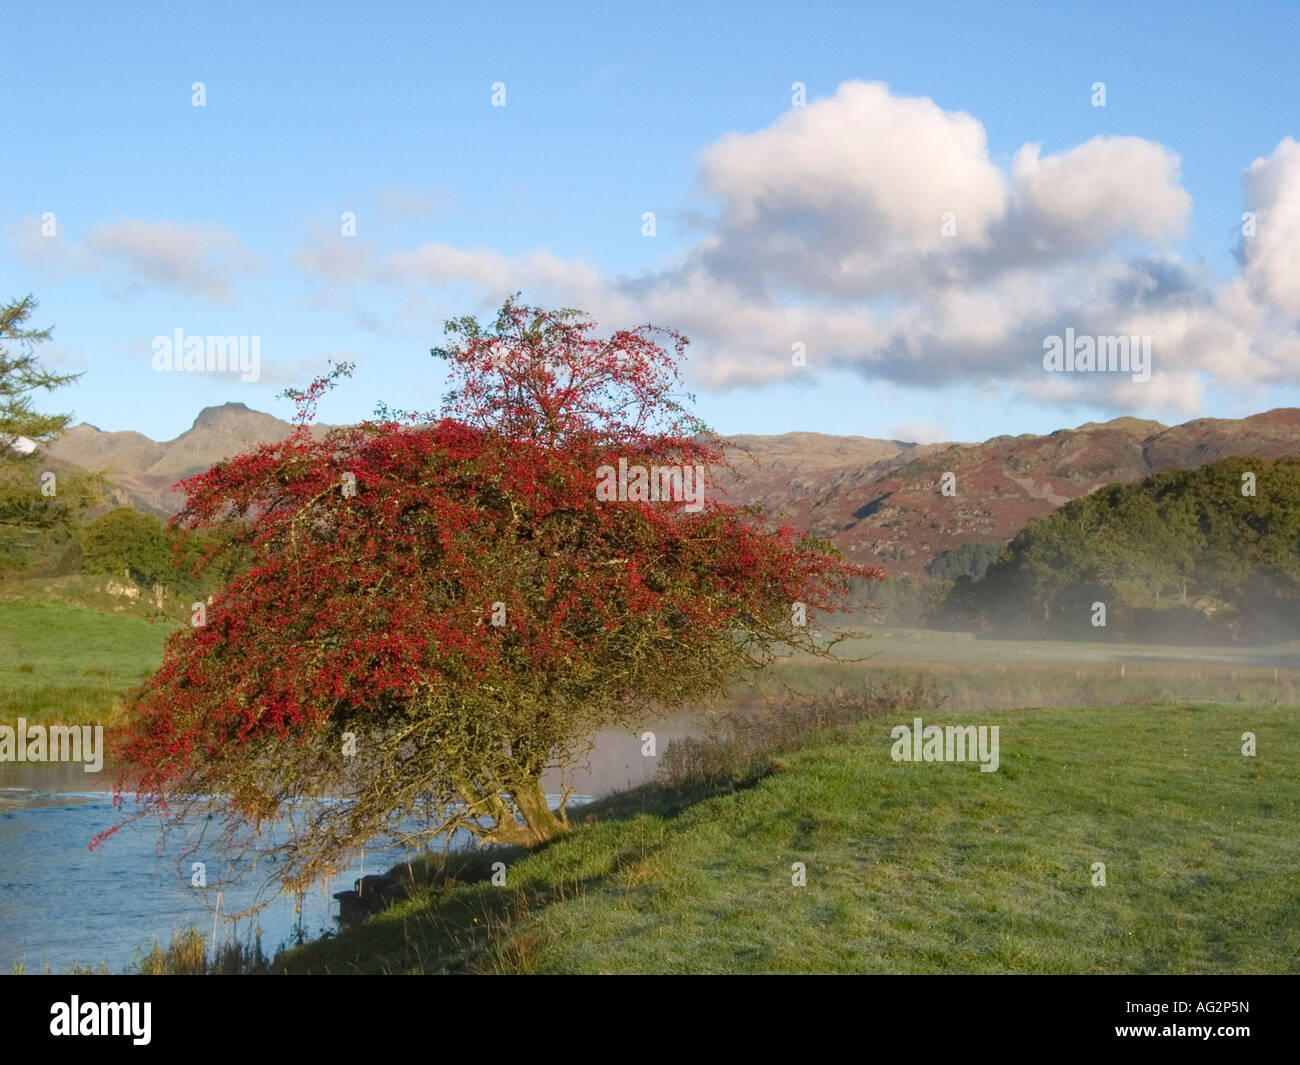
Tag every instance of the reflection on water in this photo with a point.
(616, 763)
(61, 903)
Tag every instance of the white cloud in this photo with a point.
(1106, 188)
(919, 433)
(197, 258)
(827, 232)
(336, 260)
(202, 259)
(849, 192)
(1272, 256)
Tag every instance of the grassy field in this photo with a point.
(65, 663)
(69, 649)
(959, 671)
(911, 868)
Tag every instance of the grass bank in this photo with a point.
(71, 664)
(911, 868)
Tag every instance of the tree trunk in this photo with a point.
(543, 825)
(540, 823)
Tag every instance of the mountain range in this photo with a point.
(883, 502)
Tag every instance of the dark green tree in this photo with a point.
(126, 542)
(1222, 540)
(38, 503)
(21, 374)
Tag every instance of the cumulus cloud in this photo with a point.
(848, 193)
(877, 232)
(1272, 255)
(1106, 189)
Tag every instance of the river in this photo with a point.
(62, 903)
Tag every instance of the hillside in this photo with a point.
(879, 500)
(1211, 554)
(891, 511)
(142, 471)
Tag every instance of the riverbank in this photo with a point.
(1109, 840)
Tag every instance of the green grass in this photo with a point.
(63, 663)
(69, 649)
(963, 672)
(911, 868)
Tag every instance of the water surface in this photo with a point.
(62, 903)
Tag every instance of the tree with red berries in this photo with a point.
(441, 608)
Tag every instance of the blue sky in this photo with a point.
(775, 224)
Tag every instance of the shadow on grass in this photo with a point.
(443, 913)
